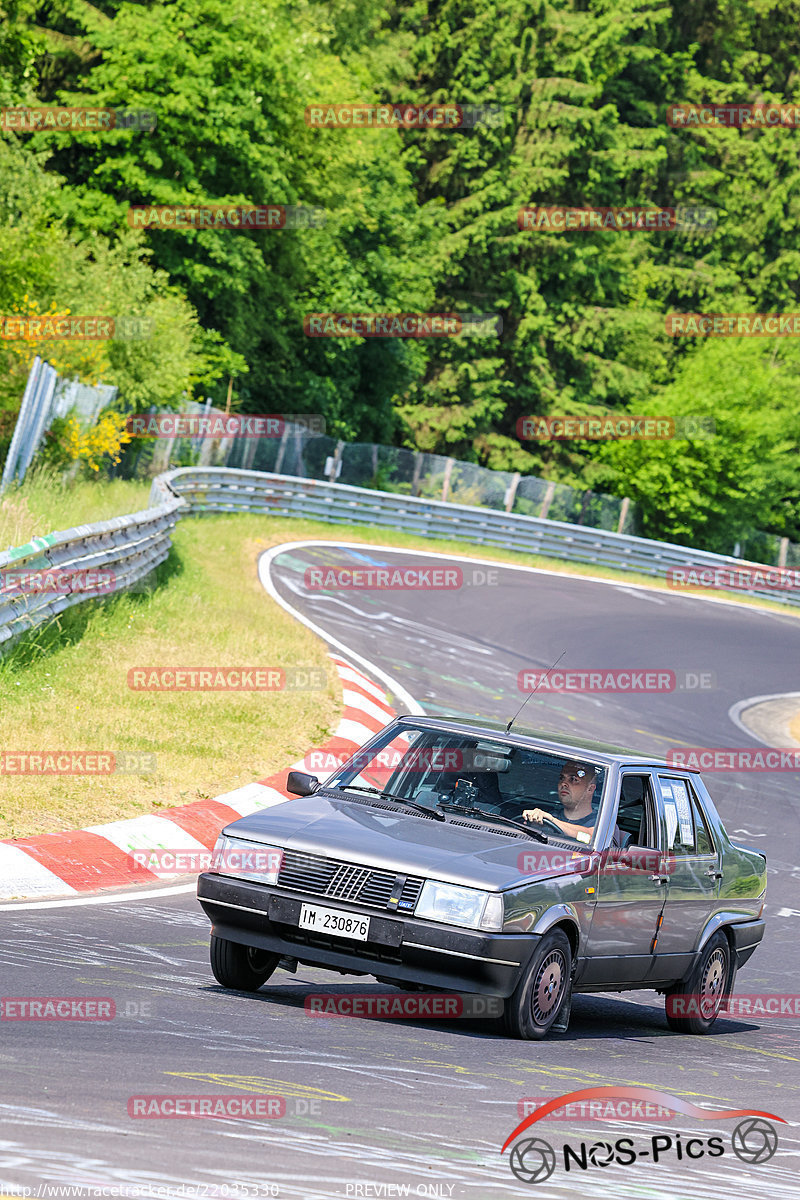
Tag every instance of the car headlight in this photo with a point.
(454, 905)
(246, 860)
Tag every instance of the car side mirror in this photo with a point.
(641, 858)
(300, 784)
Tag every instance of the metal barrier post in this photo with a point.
(623, 514)
(22, 421)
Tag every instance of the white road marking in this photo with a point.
(264, 564)
(736, 710)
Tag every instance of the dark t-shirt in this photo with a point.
(589, 822)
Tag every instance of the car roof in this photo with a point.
(541, 739)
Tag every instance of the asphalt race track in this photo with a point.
(420, 1108)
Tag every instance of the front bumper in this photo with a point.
(399, 947)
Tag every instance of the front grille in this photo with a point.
(350, 882)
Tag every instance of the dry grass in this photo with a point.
(67, 689)
(44, 504)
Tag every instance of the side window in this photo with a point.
(687, 832)
(705, 844)
(636, 818)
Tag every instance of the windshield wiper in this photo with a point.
(480, 812)
(421, 808)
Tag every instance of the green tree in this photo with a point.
(44, 270)
(584, 90)
(229, 83)
(711, 491)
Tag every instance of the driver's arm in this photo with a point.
(582, 833)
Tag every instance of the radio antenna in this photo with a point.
(535, 690)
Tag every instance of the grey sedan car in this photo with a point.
(455, 856)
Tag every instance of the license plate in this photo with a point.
(335, 921)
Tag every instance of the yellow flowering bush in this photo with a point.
(67, 443)
(86, 359)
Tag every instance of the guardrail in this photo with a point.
(132, 546)
(220, 489)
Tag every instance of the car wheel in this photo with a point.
(536, 1000)
(244, 968)
(703, 989)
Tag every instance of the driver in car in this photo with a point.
(576, 785)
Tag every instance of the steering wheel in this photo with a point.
(549, 821)
(515, 808)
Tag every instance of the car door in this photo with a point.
(693, 874)
(630, 890)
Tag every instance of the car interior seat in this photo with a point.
(631, 797)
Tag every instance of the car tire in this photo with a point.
(706, 984)
(534, 1004)
(243, 968)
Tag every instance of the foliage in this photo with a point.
(426, 220)
(44, 271)
(67, 443)
(708, 491)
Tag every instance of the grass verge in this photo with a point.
(65, 688)
(44, 503)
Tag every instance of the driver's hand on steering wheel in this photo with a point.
(538, 815)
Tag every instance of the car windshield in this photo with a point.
(555, 795)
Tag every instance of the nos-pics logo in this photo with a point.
(754, 1140)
